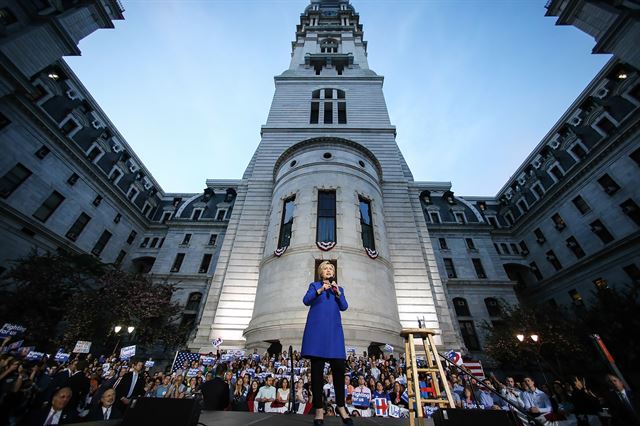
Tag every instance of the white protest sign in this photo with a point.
(127, 352)
(82, 347)
(217, 342)
(149, 363)
(193, 372)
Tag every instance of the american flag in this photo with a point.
(183, 356)
(475, 368)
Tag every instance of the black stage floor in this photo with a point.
(233, 418)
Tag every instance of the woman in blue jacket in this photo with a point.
(323, 339)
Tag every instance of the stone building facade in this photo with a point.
(327, 182)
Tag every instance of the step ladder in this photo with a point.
(434, 371)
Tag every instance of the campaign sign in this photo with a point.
(62, 357)
(256, 357)
(24, 351)
(382, 406)
(207, 360)
(394, 411)
(360, 399)
(217, 342)
(226, 357)
(251, 371)
(35, 356)
(388, 348)
(149, 363)
(238, 353)
(193, 372)
(127, 352)
(351, 350)
(454, 357)
(12, 330)
(13, 346)
(82, 347)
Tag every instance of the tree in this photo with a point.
(558, 340)
(62, 298)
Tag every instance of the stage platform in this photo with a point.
(234, 418)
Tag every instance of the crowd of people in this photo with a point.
(87, 388)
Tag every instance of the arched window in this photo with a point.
(493, 306)
(194, 302)
(329, 45)
(461, 307)
(328, 106)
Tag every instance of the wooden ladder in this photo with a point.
(434, 371)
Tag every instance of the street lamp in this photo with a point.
(536, 340)
(117, 330)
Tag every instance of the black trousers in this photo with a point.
(317, 380)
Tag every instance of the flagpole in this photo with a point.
(174, 361)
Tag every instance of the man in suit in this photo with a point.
(215, 392)
(78, 382)
(58, 413)
(105, 410)
(622, 402)
(131, 386)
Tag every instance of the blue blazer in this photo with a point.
(323, 336)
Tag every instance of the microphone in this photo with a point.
(334, 288)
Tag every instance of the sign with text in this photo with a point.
(62, 357)
(217, 342)
(127, 352)
(82, 347)
(207, 360)
(12, 330)
(193, 372)
(35, 356)
(361, 399)
(149, 363)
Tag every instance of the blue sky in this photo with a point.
(472, 86)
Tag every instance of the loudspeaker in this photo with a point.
(163, 412)
(459, 417)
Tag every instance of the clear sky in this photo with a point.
(471, 85)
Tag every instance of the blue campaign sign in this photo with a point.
(62, 357)
(149, 363)
(360, 399)
(12, 330)
(208, 360)
(35, 356)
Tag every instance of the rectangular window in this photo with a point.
(161, 242)
(342, 113)
(42, 152)
(523, 206)
(505, 248)
(78, 226)
(117, 218)
(558, 222)
(598, 228)
(608, 184)
(196, 214)
(132, 236)
(574, 246)
(120, 257)
(145, 242)
(328, 113)
(315, 113)
(147, 209)
(97, 200)
(535, 271)
(165, 217)
(538, 190)
(581, 205)
(186, 239)
(204, 265)
(477, 265)
(539, 236)
(286, 222)
(553, 260)
(94, 154)
(600, 283)
(470, 244)
(115, 175)
(578, 151)
(49, 206)
(13, 179)
(443, 243)
(221, 214)
(606, 125)
(326, 231)
(576, 298)
(468, 331)
(212, 239)
(497, 248)
(177, 263)
(523, 248)
(460, 217)
(132, 193)
(514, 248)
(630, 208)
(493, 221)
(73, 179)
(635, 156)
(366, 221)
(509, 218)
(154, 242)
(633, 272)
(435, 217)
(101, 243)
(556, 172)
(328, 93)
(449, 267)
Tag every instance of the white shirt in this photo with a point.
(134, 379)
(53, 418)
(536, 398)
(106, 413)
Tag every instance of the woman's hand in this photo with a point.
(326, 285)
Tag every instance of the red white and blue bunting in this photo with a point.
(280, 251)
(325, 245)
(371, 253)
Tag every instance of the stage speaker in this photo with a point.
(459, 417)
(163, 412)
